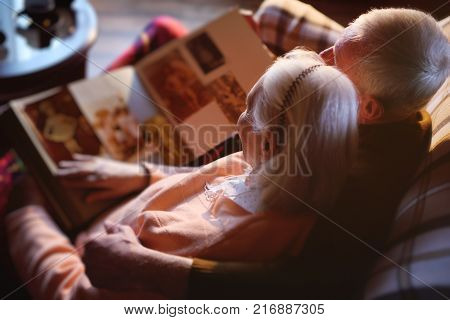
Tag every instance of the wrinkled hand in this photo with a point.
(104, 178)
(117, 261)
(113, 259)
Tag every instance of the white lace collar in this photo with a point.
(241, 189)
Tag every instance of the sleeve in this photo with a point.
(239, 280)
(47, 262)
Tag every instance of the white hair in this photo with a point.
(404, 57)
(322, 99)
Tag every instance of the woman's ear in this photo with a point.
(370, 110)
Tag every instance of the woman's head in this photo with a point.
(299, 131)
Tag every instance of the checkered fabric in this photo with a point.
(286, 24)
(420, 239)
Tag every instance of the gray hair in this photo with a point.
(320, 98)
(404, 57)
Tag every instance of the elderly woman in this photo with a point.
(299, 136)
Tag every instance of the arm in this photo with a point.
(44, 258)
(107, 256)
(178, 277)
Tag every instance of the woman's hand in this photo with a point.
(105, 179)
(116, 260)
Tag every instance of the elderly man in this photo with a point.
(397, 59)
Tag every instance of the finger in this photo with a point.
(68, 164)
(110, 227)
(71, 172)
(127, 230)
(101, 195)
(83, 157)
(75, 164)
(91, 239)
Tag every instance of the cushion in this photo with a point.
(286, 24)
(418, 252)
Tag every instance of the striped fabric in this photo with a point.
(286, 24)
(420, 239)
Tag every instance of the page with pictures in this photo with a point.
(56, 126)
(125, 118)
(200, 81)
(51, 128)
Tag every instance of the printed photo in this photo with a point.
(61, 127)
(160, 143)
(205, 52)
(229, 96)
(176, 83)
(118, 130)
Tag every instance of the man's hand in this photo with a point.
(105, 179)
(117, 261)
(112, 258)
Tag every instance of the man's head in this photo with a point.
(397, 59)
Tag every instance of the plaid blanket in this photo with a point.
(286, 24)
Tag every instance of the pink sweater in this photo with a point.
(172, 216)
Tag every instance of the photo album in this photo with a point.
(172, 107)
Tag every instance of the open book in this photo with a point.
(172, 107)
